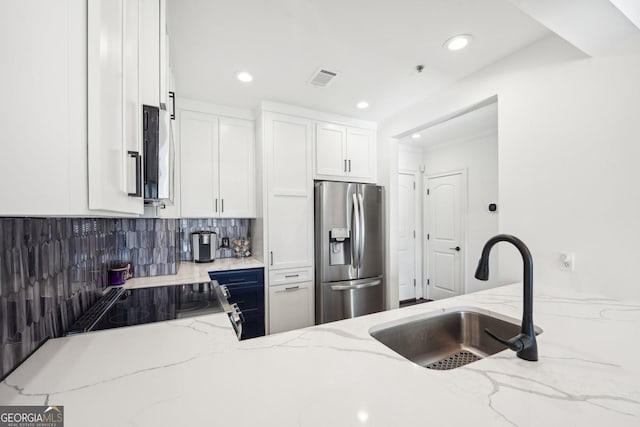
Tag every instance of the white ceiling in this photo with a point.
(596, 27)
(476, 122)
(374, 45)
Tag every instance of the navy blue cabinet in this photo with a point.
(247, 290)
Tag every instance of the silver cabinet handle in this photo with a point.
(289, 289)
(291, 275)
(349, 165)
(271, 256)
(135, 155)
(358, 286)
(222, 204)
(216, 205)
(225, 291)
(345, 165)
(172, 95)
(457, 248)
(237, 319)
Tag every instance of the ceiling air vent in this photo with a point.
(322, 77)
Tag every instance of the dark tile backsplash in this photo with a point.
(53, 269)
(150, 245)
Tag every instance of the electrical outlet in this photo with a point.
(567, 261)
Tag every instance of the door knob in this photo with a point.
(457, 248)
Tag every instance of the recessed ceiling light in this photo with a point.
(458, 42)
(362, 105)
(245, 77)
(415, 136)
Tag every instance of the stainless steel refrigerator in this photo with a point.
(349, 250)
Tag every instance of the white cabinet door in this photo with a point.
(113, 119)
(290, 307)
(331, 149)
(344, 153)
(43, 115)
(237, 168)
(150, 52)
(199, 160)
(289, 221)
(164, 54)
(360, 155)
(132, 110)
(290, 191)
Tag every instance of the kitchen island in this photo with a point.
(193, 372)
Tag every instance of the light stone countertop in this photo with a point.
(191, 272)
(193, 372)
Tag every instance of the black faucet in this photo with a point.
(525, 342)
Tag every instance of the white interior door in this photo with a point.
(445, 215)
(407, 241)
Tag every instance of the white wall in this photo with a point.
(478, 155)
(568, 154)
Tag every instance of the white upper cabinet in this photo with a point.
(114, 137)
(236, 168)
(155, 60)
(344, 153)
(199, 161)
(290, 190)
(217, 170)
(150, 63)
(44, 113)
(361, 155)
(331, 143)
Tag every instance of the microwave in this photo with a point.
(158, 156)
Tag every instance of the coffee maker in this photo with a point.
(204, 245)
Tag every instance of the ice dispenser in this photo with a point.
(339, 246)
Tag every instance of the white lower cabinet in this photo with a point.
(290, 306)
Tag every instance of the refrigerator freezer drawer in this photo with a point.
(347, 299)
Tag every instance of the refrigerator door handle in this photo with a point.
(355, 225)
(363, 234)
(358, 286)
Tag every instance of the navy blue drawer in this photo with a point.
(254, 275)
(246, 288)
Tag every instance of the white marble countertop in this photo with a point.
(191, 272)
(193, 372)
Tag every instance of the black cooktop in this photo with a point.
(120, 307)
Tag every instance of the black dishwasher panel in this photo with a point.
(247, 290)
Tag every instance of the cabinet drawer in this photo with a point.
(237, 276)
(247, 296)
(283, 277)
(253, 325)
(290, 307)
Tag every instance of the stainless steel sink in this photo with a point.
(447, 339)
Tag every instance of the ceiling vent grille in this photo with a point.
(322, 77)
